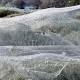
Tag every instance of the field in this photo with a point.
(39, 63)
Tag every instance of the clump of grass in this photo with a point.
(4, 12)
(77, 16)
(13, 15)
(20, 78)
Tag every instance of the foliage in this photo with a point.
(20, 78)
(39, 3)
(5, 12)
(73, 2)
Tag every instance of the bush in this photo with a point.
(73, 2)
(9, 12)
(20, 78)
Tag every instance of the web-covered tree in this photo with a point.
(19, 4)
(73, 2)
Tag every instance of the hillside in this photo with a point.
(52, 25)
(39, 44)
(24, 63)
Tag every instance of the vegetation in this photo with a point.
(24, 38)
(20, 78)
(39, 3)
(73, 2)
(4, 13)
(59, 3)
(7, 12)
